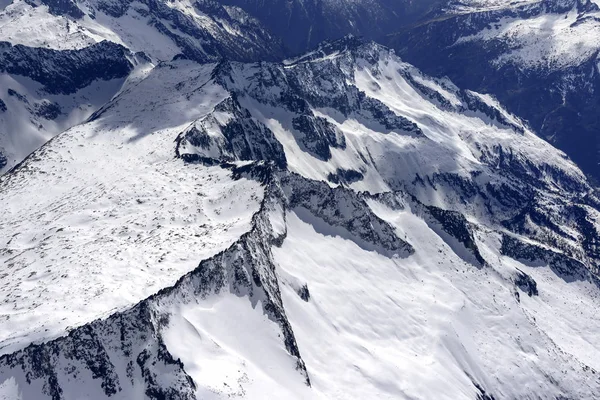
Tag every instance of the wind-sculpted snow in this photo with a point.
(336, 226)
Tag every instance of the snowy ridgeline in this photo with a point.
(336, 226)
(62, 60)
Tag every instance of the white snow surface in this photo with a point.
(548, 41)
(233, 350)
(430, 325)
(104, 216)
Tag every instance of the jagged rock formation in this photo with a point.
(338, 225)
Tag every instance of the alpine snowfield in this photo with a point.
(88, 233)
(336, 226)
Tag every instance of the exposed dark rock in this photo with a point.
(474, 103)
(14, 93)
(456, 225)
(304, 293)
(345, 176)
(526, 283)
(63, 7)
(318, 135)
(66, 71)
(242, 138)
(565, 267)
(356, 218)
(48, 110)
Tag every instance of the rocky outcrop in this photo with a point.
(229, 133)
(66, 71)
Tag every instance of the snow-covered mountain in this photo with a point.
(61, 60)
(200, 30)
(303, 24)
(538, 57)
(338, 225)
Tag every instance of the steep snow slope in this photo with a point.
(390, 235)
(430, 326)
(539, 58)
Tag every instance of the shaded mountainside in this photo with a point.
(339, 225)
(304, 24)
(539, 58)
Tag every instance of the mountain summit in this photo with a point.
(337, 225)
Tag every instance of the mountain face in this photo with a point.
(304, 24)
(61, 60)
(45, 91)
(538, 58)
(338, 225)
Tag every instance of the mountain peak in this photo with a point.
(349, 46)
(211, 221)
